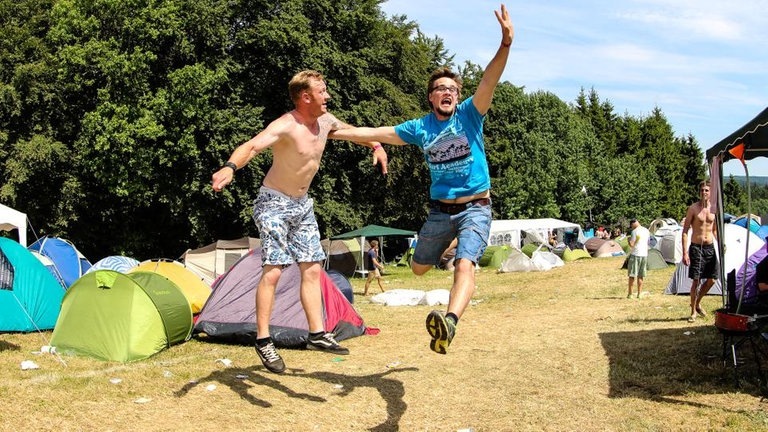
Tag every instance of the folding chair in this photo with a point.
(739, 329)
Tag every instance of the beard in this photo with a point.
(444, 112)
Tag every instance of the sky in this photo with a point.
(704, 63)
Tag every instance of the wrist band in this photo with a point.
(376, 147)
(232, 165)
(506, 45)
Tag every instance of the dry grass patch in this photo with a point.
(562, 350)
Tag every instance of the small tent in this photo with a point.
(669, 241)
(69, 263)
(575, 254)
(191, 285)
(112, 316)
(13, 219)
(602, 248)
(30, 297)
(230, 313)
(118, 263)
(494, 256)
(518, 261)
(369, 231)
(213, 260)
(344, 256)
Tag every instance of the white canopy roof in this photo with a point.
(507, 231)
(10, 219)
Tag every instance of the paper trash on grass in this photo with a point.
(115, 380)
(410, 297)
(241, 376)
(142, 400)
(688, 333)
(210, 387)
(29, 364)
(224, 361)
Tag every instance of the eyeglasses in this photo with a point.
(443, 89)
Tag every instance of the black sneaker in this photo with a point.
(326, 342)
(442, 331)
(270, 358)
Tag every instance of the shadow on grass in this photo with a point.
(7, 346)
(391, 390)
(661, 364)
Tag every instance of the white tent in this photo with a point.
(14, 219)
(735, 252)
(213, 260)
(508, 231)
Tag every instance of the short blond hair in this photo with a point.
(301, 82)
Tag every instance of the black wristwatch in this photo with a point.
(232, 165)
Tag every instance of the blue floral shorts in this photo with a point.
(287, 228)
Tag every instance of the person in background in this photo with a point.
(451, 138)
(638, 256)
(284, 213)
(700, 257)
(373, 266)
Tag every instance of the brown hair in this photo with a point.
(301, 82)
(442, 73)
(704, 183)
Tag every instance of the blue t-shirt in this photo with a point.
(454, 151)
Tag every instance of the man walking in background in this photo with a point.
(700, 256)
(637, 263)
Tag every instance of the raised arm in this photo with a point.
(247, 151)
(484, 93)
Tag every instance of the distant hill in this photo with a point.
(742, 180)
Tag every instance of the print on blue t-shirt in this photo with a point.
(453, 149)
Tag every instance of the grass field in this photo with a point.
(562, 350)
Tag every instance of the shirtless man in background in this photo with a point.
(283, 212)
(700, 256)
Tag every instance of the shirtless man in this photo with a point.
(700, 257)
(283, 212)
(451, 138)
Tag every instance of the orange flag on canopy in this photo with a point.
(738, 152)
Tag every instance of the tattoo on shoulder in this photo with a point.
(333, 123)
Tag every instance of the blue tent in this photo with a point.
(69, 263)
(30, 297)
(118, 263)
(742, 222)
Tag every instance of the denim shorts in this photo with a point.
(471, 226)
(287, 228)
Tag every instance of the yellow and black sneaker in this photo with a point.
(442, 331)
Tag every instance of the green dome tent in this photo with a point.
(112, 316)
(494, 256)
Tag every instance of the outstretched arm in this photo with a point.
(384, 134)
(245, 152)
(379, 155)
(484, 93)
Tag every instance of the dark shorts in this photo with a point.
(704, 263)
